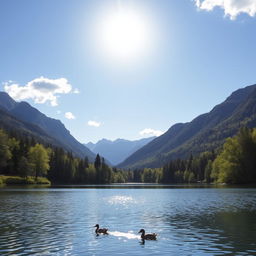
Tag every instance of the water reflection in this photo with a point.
(123, 200)
(214, 233)
(59, 221)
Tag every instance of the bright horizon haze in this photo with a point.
(125, 69)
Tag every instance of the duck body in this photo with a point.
(147, 236)
(99, 230)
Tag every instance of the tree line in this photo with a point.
(23, 156)
(234, 163)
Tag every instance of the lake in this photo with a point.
(188, 220)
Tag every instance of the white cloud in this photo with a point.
(69, 115)
(94, 123)
(150, 132)
(232, 8)
(76, 91)
(40, 90)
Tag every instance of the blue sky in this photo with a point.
(194, 54)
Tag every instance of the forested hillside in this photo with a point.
(234, 163)
(22, 117)
(205, 133)
(23, 156)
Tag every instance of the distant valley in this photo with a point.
(118, 150)
(204, 133)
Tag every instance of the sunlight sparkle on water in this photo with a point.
(123, 200)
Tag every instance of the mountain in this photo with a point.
(23, 117)
(204, 133)
(118, 150)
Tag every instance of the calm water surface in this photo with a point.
(188, 221)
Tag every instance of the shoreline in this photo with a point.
(17, 180)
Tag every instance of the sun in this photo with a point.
(124, 34)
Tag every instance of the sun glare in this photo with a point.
(124, 34)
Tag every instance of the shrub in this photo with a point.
(42, 180)
(14, 180)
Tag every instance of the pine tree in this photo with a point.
(5, 153)
(97, 162)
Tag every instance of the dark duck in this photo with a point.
(147, 236)
(99, 230)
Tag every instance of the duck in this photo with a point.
(99, 230)
(147, 236)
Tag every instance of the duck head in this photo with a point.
(142, 231)
(96, 226)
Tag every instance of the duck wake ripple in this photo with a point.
(123, 234)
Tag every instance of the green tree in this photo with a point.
(97, 162)
(147, 175)
(186, 176)
(16, 153)
(106, 173)
(39, 160)
(237, 161)
(191, 177)
(178, 177)
(97, 166)
(207, 172)
(91, 174)
(5, 153)
(24, 168)
(118, 177)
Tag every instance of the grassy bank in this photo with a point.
(16, 180)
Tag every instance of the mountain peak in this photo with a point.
(117, 150)
(242, 93)
(7, 102)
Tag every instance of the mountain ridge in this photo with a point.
(31, 120)
(205, 132)
(116, 151)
